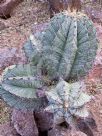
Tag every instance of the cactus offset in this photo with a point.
(67, 101)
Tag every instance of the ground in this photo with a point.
(16, 30)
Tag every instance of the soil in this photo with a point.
(16, 30)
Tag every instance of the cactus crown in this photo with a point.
(66, 49)
(66, 101)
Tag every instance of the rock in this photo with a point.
(6, 7)
(2, 25)
(43, 1)
(24, 123)
(44, 120)
(94, 13)
(54, 132)
(99, 31)
(7, 130)
(98, 60)
(39, 27)
(96, 72)
(77, 133)
(11, 56)
(59, 131)
(88, 126)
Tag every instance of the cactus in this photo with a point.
(22, 103)
(33, 52)
(67, 101)
(19, 87)
(67, 47)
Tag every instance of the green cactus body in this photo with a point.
(21, 82)
(69, 46)
(22, 103)
(67, 101)
(33, 51)
(19, 87)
